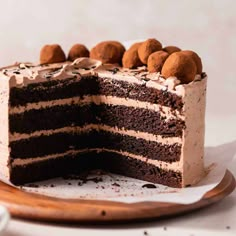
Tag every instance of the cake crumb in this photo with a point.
(227, 227)
(165, 228)
(33, 185)
(116, 184)
(95, 179)
(52, 185)
(149, 186)
(145, 232)
(103, 213)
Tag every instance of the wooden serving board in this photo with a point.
(33, 206)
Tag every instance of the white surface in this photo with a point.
(4, 218)
(208, 27)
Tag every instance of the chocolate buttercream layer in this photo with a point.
(92, 85)
(76, 164)
(62, 142)
(137, 119)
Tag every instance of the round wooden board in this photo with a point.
(32, 206)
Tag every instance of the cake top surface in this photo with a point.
(22, 74)
(144, 62)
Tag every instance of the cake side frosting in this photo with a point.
(4, 129)
(193, 135)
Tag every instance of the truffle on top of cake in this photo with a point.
(108, 52)
(169, 61)
(131, 58)
(77, 51)
(52, 53)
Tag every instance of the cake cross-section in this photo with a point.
(70, 117)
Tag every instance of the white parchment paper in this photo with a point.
(119, 188)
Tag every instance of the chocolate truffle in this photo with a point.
(181, 66)
(147, 48)
(196, 59)
(78, 50)
(130, 58)
(52, 54)
(108, 52)
(156, 61)
(171, 49)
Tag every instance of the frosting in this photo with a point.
(194, 98)
(165, 112)
(4, 135)
(70, 129)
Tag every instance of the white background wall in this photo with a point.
(208, 27)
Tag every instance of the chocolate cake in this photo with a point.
(66, 117)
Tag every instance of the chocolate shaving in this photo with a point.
(22, 67)
(203, 75)
(114, 70)
(48, 76)
(28, 66)
(55, 70)
(75, 72)
(85, 68)
(149, 186)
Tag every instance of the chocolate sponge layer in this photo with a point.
(138, 119)
(62, 142)
(76, 164)
(92, 85)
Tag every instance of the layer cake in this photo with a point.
(74, 116)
